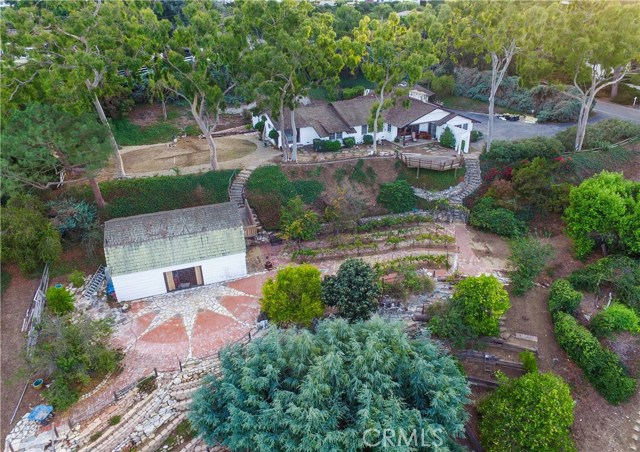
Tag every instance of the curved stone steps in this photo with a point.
(165, 431)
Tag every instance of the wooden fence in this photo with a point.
(489, 361)
(34, 313)
(427, 162)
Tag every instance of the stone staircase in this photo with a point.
(455, 195)
(236, 194)
(147, 420)
(472, 180)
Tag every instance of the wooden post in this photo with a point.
(115, 396)
(155, 372)
(418, 167)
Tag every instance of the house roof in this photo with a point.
(445, 119)
(344, 115)
(162, 239)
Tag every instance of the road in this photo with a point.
(507, 130)
(617, 111)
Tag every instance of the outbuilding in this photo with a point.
(162, 252)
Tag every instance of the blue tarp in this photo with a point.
(40, 413)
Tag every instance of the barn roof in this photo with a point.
(162, 239)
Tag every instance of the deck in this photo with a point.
(431, 162)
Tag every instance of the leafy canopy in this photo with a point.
(482, 300)
(293, 297)
(604, 209)
(28, 237)
(354, 290)
(298, 391)
(530, 413)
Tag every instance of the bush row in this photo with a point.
(549, 103)
(563, 297)
(601, 366)
(615, 319)
(488, 216)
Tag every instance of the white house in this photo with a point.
(166, 251)
(412, 117)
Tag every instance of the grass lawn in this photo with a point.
(431, 179)
(130, 134)
(233, 148)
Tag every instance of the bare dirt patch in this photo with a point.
(185, 153)
(147, 114)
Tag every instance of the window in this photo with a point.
(465, 125)
(388, 127)
(339, 136)
(183, 278)
(365, 129)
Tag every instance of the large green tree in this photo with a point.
(495, 31)
(200, 65)
(530, 413)
(293, 297)
(354, 290)
(76, 54)
(389, 53)
(604, 209)
(28, 237)
(593, 44)
(335, 389)
(292, 50)
(44, 146)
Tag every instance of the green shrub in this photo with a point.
(147, 384)
(76, 278)
(308, 189)
(550, 103)
(360, 176)
(70, 215)
(259, 126)
(6, 280)
(529, 361)
(618, 272)
(488, 216)
(59, 300)
(114, 420)
(353, 290)
(95, 436)
(443, 85)
(294, 296)
(61, 394)
(192, 130)
(274, 135)
(448, 139)
(129, 134)
(563, 297)
(330, 145)
(614, 319)
(530, 413)
(510, 152)
(476, 135)
(367, 139)
(353, 92)
(602, 367)
(268, 189)
(349, 142)
(447, 322)
(604, 210)
(128, 197)
(298, 223)
(600, 134)
(528, 258)
(482, 300)
(397, 196)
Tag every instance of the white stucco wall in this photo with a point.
(460, 134)
(151, 282)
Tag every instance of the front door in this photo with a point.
(183, 278)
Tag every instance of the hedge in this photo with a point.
(509, 152)
(548, 102)
(397, 197)
(600, 134)
(128, 197)
(563, 297)
(601, 366)
(615, 319)
(488, 216)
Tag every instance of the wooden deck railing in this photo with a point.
(427, 162)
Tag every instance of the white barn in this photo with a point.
(414, 115)
(166, 251)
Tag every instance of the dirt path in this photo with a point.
(15, 302)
